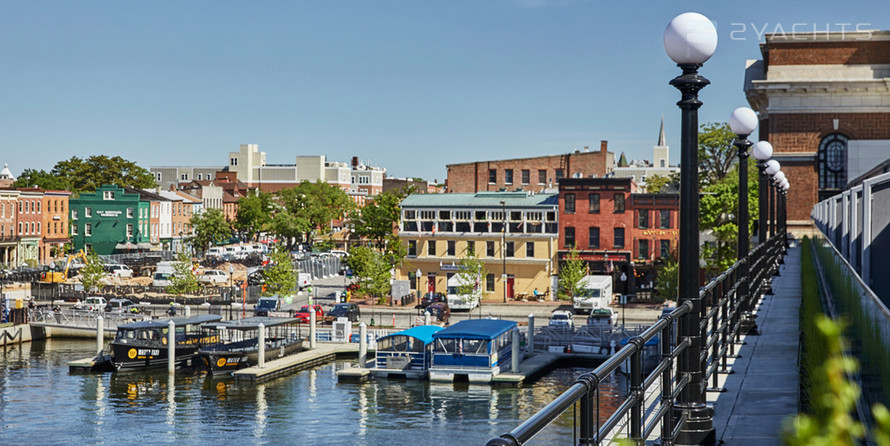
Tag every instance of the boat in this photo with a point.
(472, 350)
(405, 354)
(143, 344)
(234, 344)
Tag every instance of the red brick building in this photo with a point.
(528, 173)
(615, 230)
(824, 104)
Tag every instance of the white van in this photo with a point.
(458, 301)
(596, 292)
(303, 280)
(162, 279)
(215, 251)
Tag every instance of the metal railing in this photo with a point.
(720, 317)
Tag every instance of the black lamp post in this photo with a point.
(690, 40)
(774, 201)
(762, 151)
(742, 122)
(504, 248)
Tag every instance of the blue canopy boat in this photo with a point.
(472, 350)
(406, 354)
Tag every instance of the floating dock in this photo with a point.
(324, 352)
(529, 369)
(82, 365)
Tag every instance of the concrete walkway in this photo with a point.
(763, 389)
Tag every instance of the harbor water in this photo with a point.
(41, 402)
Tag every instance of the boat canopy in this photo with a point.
(179, 321)
(421, 332)
(249, 323)
(476, 329)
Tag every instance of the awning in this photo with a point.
(130, 246)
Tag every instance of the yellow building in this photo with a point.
(514, 234)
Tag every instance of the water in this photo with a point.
(42, 403)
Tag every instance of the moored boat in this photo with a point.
(235, 344)
(405, 354)
(472, 350)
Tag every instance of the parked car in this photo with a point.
(265, 305)
(602, 316)
(562, 318)
(162, 279)
(119, 270)
(430, 298)
(214, 277)
(215, 251)
(256, 278)
(439, 312)
(347, 310)
(120, 306)
(304, 313)
(94, 303)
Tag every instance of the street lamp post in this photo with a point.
(742, 122)
(417, 284)
(690, 40)
(504, 249)
(774, 201)
(231, 281)
(762, 151)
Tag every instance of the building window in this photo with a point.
(129, 212)
(450, 244)
(664, 220)
(233, 161)
(594, 201)
(129, 231)
(619, 203)
(38, 206)
(412, 248)
(643, 252)
(618, 238)
(489, 282)
(509, 249)
(471, 248)
(643, 218)
(508, 176)
(570, 237)
(593, 237)
(570, 204)
(74, 214)
(526, 176)
(87, 212)
(529, 249)
(665, 248)
(492, 176)
(108, 195)
(88, 229)
(184, 177)
(489, 249)
(20, 228)
(560, 173)
(833, 162)
(542, 176)
(73, 229)
(158, 177)
(431, 248)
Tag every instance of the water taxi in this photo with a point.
(406, 354)
(234, 344)
(472, 350)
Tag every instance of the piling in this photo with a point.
(531, 334)
(515, 355)
(100, 334)
(426, 318)
(311, 328)
(362, 344)
(171, 346)
(261, 354)
(188, 311)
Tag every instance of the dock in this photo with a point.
(529, 369)
(324, 352)
(82, 365)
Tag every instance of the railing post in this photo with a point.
(589, 419)
(667, 343)
(636, 389)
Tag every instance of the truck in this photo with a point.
(596, 292)
(457, 301)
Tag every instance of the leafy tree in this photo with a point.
(469, 278)
(210, 227)
(372, 270)
(376, 220)
(571, 273)
(41, 179)
(281, 276)
(719, 214)
(657, 184)
(318, 202)
(254, 215)
(715, 152)
(92, 272)
(289, 227)
(667, 280)
(183, 280)
(86, 175)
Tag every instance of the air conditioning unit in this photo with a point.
(342, 330)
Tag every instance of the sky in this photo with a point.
(406, 85)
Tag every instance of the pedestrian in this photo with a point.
(535, 292)
(172, 310)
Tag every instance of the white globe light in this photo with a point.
(743, 121)
(690, 38)
(772, 166)
(784, 183)
(762, 151)
(786, 186)
(778, 177)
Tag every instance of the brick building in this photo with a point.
(9, 199)
(55, 225)
(536, 174)
(824, 104)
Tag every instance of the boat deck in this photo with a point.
(324, 352)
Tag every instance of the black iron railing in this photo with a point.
(722, 320)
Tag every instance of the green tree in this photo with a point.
(715, 152)
(469, 278)
(281, 276)
(658, 184)
(289, 227)
(210, 227)
(92, 273)
(254, 215)
(719, 215)
(87, 175)
(376, 220)
(184, 280)
(667, 280)
(372, 270)
(571, 273)
(41, 179)
(318, 202)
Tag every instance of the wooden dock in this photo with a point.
(324, 352)
(82, 365)
(529, 369)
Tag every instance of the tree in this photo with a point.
(92, 272)
(657, 184)
(376, 220)
(210, 227)
(183, 280)
(667, 280)
(289, 227)
(571, 273)
(281, 276)
(715, 152)
(719, 215)
(372, 270)
(318, 202)
(469, 277)
(41, 179)
(81, 175)
(254, 215)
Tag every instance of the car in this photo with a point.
(265, 305)
(94, 303)
(214, 277)
(562, 318)
(121, 306)
(304, 313)
(256, 278)
(602, 317)
(431, 297)
(119, 270)
(162, 279)
(439, 312)
(347, 310)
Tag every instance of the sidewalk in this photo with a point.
(764, 388)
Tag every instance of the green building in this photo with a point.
(109, 221)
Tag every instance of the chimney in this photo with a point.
(354, 162)
(604, 145)
(586, 149)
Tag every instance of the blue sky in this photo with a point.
(409, 85)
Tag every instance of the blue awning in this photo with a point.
(476, 329)
(422, 332)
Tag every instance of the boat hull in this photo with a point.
(227, 361)
(134, 357)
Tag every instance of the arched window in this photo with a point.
(833, 162)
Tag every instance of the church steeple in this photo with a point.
(661, 142)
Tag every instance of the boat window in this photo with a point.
(445, 346)
(475, 346)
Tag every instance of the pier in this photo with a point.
(324, 352)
